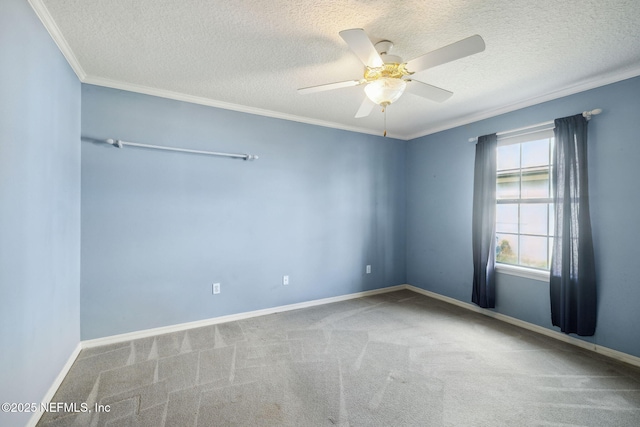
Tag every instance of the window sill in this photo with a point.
(529, 273)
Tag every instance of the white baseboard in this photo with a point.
(605, 351)
(56, 384)
(114, 339)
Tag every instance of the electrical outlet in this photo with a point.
(285, 280)
(216, 288)
(368, 269)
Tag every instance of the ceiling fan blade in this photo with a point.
(427, 91)
(328, 86)
(365, 108)
(457, 50)
(360, 44)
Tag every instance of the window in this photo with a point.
(524, 211)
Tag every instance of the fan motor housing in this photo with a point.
(393, 66)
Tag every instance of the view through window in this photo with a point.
(524, 211)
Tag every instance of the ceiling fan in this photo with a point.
(387, 76)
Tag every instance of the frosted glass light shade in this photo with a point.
(384, 91)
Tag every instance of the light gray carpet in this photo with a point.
(396, 359)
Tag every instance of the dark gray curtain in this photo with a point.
(484, 222)
(573, 281)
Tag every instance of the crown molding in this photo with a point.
(571, 90)
(54, 31)
(550, 96)
(177, 96)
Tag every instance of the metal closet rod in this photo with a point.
(586, 114)
(119, 143)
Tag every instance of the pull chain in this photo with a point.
(384, 110)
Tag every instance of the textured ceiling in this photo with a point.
(252, 55)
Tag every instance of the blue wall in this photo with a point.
(439, 198)
(39, 209)
(159, 228)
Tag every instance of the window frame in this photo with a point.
(544, 131)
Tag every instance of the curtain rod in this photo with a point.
(119, 143)
(586, 114)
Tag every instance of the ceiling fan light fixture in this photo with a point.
(385, 91)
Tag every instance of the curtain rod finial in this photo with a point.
(587, 114)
